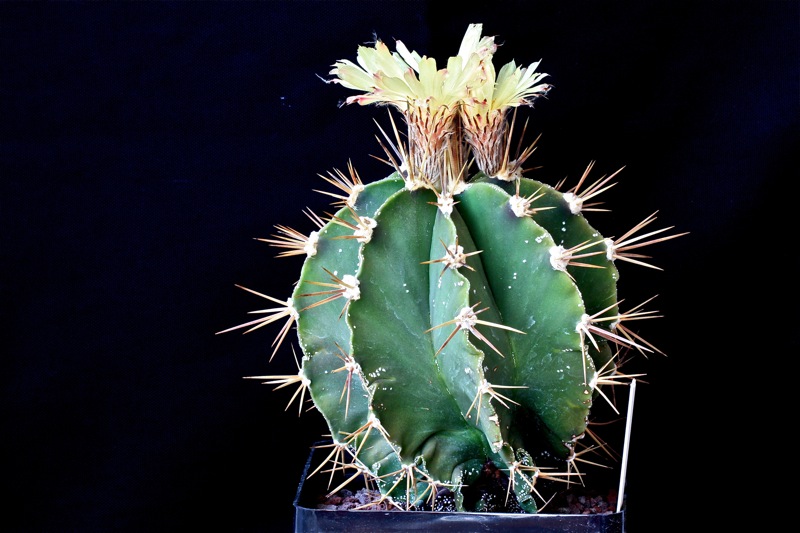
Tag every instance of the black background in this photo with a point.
(144, 145)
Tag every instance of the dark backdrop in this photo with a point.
(144, 145)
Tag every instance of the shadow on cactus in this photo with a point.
(455, 313)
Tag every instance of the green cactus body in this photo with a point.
(325, 337)
(423, 397)
(598, 286)
(449, 322)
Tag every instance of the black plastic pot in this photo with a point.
(308, 519)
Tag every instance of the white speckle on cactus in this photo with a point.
(364, 231)
(610, 248)
(583, 323)
(350, 285)
(413, 184)
(352, 366)
(291, 309)
(355, 189)
(574, 202)
(446, 204)
(377, 372)
(558, 260)
(518, 205)
(466, 319)
(455, 257)
(467, 370)
(310, 246)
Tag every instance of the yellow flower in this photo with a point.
(513, 86)
(483, 115)
(435, 102)
(405, 78)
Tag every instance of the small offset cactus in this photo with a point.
(455, 314)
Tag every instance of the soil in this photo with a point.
(573, 501)
(489, 494)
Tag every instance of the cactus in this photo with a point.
(451, 317)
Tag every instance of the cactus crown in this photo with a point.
(450, 320)
(448, 110)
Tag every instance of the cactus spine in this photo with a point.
(449, 319)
